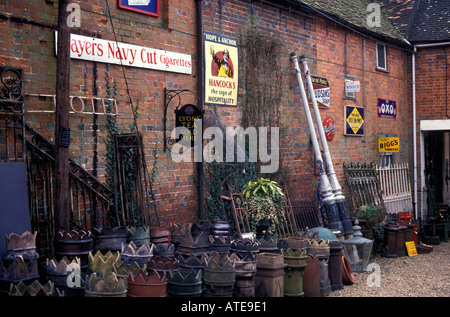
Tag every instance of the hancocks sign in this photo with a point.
(112, 52)
(221, 69)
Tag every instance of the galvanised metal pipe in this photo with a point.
(329, 200)
(335, 186)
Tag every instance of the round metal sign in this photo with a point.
(329, 128)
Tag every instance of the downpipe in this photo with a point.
(335, 186)
(329, 200)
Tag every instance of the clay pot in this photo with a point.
(311, 283)
(347, 274)
(269, 279)
(159, 235)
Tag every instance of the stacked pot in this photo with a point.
(19, 263)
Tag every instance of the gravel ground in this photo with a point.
(423, 275)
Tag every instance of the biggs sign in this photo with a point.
(388, 144)
(104, 51)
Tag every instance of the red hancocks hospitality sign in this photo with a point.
(105, 51)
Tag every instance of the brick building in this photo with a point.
(338, 41)
(425, 25)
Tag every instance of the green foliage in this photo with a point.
(264, 200)
(371, 213)
(218, 177)
(263, 187)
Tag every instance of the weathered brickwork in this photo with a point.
(27, 41)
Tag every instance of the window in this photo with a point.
(386, 159)
(381, 56)
(348, 95)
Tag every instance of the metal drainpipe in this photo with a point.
(201, 164)
(413, 66)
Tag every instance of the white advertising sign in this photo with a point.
(352, 86)
(105, 51)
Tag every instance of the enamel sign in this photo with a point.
(354, 120)
(149, 7)
(221, 69)
(321, 91)
(105, 51)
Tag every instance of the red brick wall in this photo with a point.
(342, 53)
(333, 52)
(27, 41)
(432, 82)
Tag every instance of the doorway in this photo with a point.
(435, 162)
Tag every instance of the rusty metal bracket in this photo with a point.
(169, 96)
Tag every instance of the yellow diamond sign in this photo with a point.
(355, 120)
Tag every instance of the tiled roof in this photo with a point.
(431, 22)
(354, 13)
(420, 20)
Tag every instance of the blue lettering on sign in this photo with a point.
(387, 108)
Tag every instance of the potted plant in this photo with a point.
(264, 202)
(370, 216)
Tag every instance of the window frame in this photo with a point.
(385, 56)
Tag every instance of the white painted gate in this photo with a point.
(395, 187)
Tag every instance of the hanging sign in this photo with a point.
(411, 248)
(387, 108)
(185, 119)
(354, 121)
(221, 69)
(112, 52)
(329, 128)
(150, 7)
(321, 91)
(388, 144)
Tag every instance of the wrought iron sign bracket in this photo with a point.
(175, 96)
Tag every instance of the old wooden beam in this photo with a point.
(62, 128)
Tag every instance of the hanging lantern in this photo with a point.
(357, 250)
